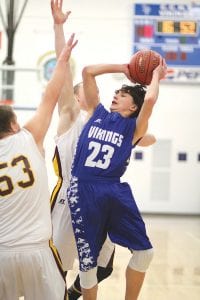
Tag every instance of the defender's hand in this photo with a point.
(58, 15)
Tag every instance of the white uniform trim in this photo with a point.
(88, 279)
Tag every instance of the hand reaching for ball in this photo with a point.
(161, 69)
(127, 73)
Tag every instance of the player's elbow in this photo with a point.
(150, 100)
(147, 140)
(87, 71)
(88, 77)
(152, 139)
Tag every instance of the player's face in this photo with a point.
(123, 104)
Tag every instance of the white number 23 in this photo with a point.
(96, 149)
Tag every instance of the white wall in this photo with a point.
(103, 29)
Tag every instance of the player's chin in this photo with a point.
(113, 108)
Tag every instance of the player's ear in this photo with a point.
(14, 126)
(133, 107)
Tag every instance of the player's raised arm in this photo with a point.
(39, 123)
(89, 82)
(67, 106)
(149, 100)
(59, 18)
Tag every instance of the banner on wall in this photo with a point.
(183, 75)
(173, 30)
(46, 64)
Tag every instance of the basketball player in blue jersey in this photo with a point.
(72, 117)
(29, 263)
(100, 204)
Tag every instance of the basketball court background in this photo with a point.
(164, 177)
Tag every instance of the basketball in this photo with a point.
(142, 64)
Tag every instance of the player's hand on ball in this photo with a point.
(127, 73)
(161, 69)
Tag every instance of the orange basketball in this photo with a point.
(142, 64)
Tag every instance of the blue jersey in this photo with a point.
(99, 203)
(104, 146)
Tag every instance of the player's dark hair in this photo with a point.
(7, 115)
(137, 92)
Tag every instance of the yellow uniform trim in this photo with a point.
(58, 171)
(59, 265)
